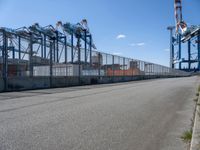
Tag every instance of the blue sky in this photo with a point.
(140, 25)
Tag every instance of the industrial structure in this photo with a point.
(64, 55)
(184, 43)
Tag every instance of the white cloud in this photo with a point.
(121, 36)
(167, 49)
(137, 44)
(140, 44)
(117, 53)
(133, 44)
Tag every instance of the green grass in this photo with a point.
(199, 88)
(197, 94)
(187, 136)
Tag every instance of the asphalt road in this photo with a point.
(140, 115)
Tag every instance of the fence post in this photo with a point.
(132, 67)
(106, 68)
(65, 41)
(72, 48)
(79, 59)
(5, 61)
(113, 61)
(99, 64)
(85, 44)
(45, 47)
(90, 49)
(31, 56)
(124, 67)
(51, 63)
(57, 48)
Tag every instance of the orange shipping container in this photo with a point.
(129, 72)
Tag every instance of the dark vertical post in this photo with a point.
(19, 55)
(139, 68)
(31, 56)
(106, 68)
(51, 63)
(150, 68)
(13, 52)
(99, 64)
(85, 46)
(132, 67)
(90, 49)
(198, 49)
(57, 48)
(153, 69)
(113, 61)
(54, 50)
(160, 69)
(72, 47)
(79, 59)
(5, 61)
(189, 55)
(19, 46)
(65, 41)
(172, 66)
(123, 66)
(45, 46)
(179, 51)
(42, 48)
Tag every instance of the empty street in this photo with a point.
(138, 115)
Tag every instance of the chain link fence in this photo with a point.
(37, 60)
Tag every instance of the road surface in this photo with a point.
(140, 115)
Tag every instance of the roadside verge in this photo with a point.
(195, 142)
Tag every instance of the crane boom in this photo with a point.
(78, 29)
(180, 24)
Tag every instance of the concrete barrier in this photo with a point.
(27, 83)
(1, 84)
(64, 81)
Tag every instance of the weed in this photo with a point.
(187, 136)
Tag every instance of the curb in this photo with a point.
(195, 142)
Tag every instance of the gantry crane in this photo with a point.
(184, 34)
(81, 32)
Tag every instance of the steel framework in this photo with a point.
(191, 40)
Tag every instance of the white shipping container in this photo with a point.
(57, 70)
(93, 72)
(41, 70)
